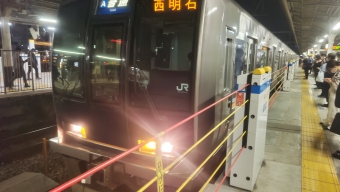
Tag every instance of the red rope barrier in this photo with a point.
(225, 176)
(125, 153)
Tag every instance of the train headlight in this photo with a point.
(78, 131)
(150, 147)
(167, 147)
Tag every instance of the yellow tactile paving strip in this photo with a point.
(318, 171)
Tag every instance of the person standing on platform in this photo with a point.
(18, 65)
(32, 63)
(316, 69)
(337, 104)
(323, 58)
(338, 56)
(307, 65)
(327, 74)
(333, 84)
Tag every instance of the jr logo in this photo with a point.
(183, 86)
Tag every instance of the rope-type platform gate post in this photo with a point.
(244, 172)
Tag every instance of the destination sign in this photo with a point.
(174, 5)
(113, 7)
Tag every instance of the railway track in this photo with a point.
(24, 145)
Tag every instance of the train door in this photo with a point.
(227, 106)
(250, 55)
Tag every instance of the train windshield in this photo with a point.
(163, 55)
(68, 51)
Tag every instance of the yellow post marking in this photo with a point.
(159, 167)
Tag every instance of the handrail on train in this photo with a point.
(157, 138)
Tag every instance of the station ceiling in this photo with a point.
(28, 12)
(303, 22)
(312, 19)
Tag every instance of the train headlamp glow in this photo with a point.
(78, 131)
(150, 147)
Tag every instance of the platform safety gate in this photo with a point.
(253, 102)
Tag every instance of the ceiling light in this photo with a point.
(51, 28)
(321, 40)
(337, 26)
(314, 45)
(325, 36)
(48, 20)
(9, 23)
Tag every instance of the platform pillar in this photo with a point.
(246, 170)
(331, 38)
(6, 54)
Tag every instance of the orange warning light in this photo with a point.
(191, 5)
(175, 4)
(159, 5)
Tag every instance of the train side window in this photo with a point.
(229, 67)
(245, 68)
(68, 52)
(261, 57)
(106, 63)
(269, 57)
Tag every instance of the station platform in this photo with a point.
(298, 151)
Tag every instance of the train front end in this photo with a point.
(123, 71)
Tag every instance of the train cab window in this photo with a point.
(68, 52)
(106, 63)
(163, 59)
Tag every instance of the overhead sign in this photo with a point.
(336, 47)
(113, 7)
(174, 5)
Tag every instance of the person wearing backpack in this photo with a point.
(307, 65)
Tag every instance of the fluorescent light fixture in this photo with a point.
(80, 47)
(325, 36)
(48, 20)
(51, 28)
(321, 40)
(9, 23)
(337, 26)
(314, 46)
(64, 51)
(111, 58)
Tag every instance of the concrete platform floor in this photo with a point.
(28, 182)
